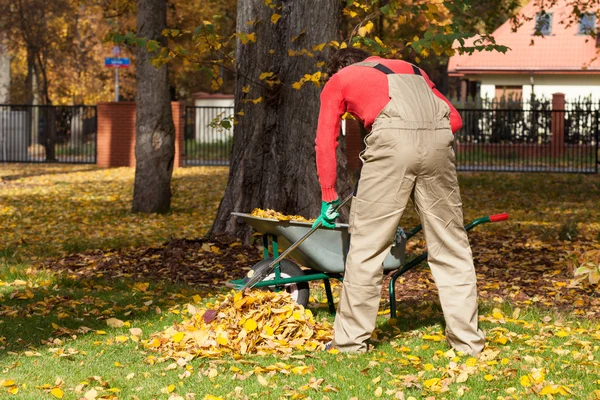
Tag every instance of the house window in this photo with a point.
(587, 24)
(543, 24)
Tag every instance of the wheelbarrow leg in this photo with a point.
(417, 260)
(392, 286)
(329, 294)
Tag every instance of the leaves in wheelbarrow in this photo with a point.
(258, 322)
(272, 214)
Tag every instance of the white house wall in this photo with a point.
(219, 109)
(573, 86)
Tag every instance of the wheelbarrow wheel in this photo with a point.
(288, 269)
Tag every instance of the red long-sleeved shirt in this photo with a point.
(363, 92)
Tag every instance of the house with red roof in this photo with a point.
(565, 59)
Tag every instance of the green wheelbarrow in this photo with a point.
(323, 254)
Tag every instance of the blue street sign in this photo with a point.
(114, 62)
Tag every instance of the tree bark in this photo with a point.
(154, 147)
(273, 157)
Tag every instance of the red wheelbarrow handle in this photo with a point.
(498, 217)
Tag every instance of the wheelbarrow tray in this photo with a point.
(325, 250)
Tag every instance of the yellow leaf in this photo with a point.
(501, 340)
(178, 337)
(497, 313)
(7, 383)
(245, 89)
(525, 381)
(196, 298)
(297, 85)
(561, 334)
(256, 101)
(250, 325)
(431, 382)
(435, 338)
(378, 391)
(265, 75)
(488, 377)
(56, 392)
(170, 388)
(471, 362)
(268, 330)
(537, 375)
(222, 340)
(13, 390)
(319, 47)
(141, 286)
(275, 18)
(302, 370)
(121, 339)
(428, 367)
(550, 389)
(366, 28)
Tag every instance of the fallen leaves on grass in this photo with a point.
(259, 322)
(207, 262)
(54, 210)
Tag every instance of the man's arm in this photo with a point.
(326, 142)
(455, 119)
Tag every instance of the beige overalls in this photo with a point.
(408, 154)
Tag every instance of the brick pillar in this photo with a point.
(116, 134)
(178, 109)
(557, 140)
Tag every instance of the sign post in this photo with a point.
(116, 63)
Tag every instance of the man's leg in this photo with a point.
(438, 203)
(383, 191)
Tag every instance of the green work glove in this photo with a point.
(328, 214)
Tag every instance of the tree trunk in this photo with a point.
(155, 132)
(273, 157)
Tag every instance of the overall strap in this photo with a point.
(387, 71)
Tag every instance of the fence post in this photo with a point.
(597, 130)
(557, 141)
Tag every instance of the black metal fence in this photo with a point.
(533, 140)
(33, 133)
(208, 135)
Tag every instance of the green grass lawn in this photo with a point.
(55, 342)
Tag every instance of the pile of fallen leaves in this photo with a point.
(272, 214)
(258, 322)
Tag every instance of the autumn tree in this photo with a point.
(281, 47)
(155, 132)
